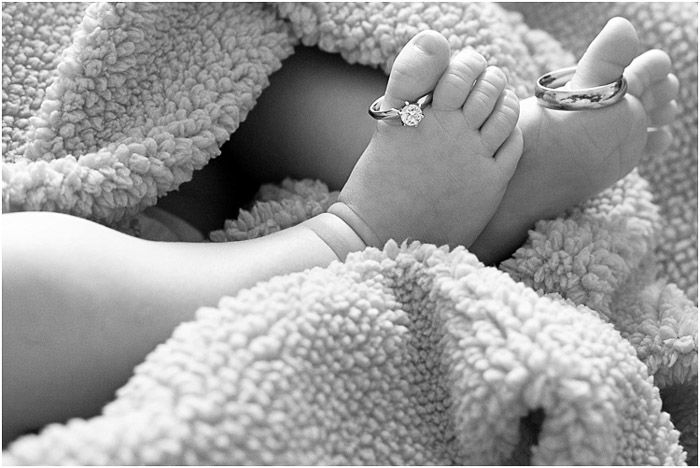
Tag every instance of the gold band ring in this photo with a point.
(549, 92)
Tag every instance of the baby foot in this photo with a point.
(572, 155)
(439, 182)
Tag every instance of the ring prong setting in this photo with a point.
(411, 114)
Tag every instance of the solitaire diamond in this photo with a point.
(411, 115)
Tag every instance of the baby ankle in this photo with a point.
(355, 222)
(336, 234)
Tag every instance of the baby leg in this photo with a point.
(312, 119)
(83, 304)
(78, 314)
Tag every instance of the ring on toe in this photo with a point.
(549, 93)
(410, 114)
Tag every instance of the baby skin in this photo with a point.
(567, 156)
(571, 156)
(477, 171)
(66, 349)
(439, 182)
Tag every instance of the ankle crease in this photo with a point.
(356, 223)
(336, 234)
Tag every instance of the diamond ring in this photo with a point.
(549, 92)
(410, 114)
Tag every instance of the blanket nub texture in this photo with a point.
(407, 355)
(579, 351)
(673, 175)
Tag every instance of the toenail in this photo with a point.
(497, 74)
(428, 41)
(495, 70)
(473, 54)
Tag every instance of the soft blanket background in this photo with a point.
(411, 354)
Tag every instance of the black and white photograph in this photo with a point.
(369, 233)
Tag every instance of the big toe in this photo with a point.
(417, 68)
(607, 55)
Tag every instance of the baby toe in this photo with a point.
(607, 55)
(417, 68)
(457, 81)
(501, 122)
(483, 97)
(660, 93)
(663, 115)
(647, 69)
(658, 141)
(509, 153)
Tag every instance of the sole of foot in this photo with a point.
(441, 181)
(570, 156)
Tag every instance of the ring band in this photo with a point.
(549, 93)
(410, 114)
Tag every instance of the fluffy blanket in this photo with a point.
(579, 350)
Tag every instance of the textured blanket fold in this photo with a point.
(410, 355)
(578, 351)
(673, 175)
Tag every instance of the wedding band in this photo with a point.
(410, 114)
(549, 92)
